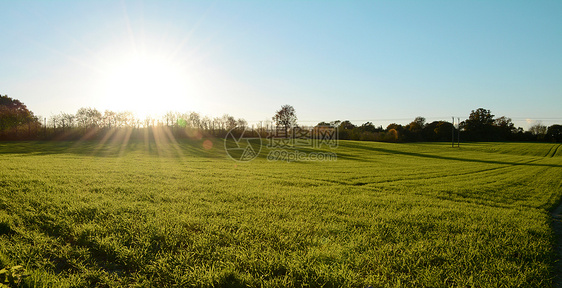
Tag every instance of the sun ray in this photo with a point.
(102, 142)
(172, 140)
(126, 136)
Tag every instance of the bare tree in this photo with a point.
(55, 121)
(194, 120)
(125, 119)
(109, 119)
(68, 119)
(241, 123)
(206, 123)
(148, 122)
(171, 118)
(538, 129)
(217, 123)
(229, 121)
(89, 117)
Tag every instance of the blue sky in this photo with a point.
(379, 61)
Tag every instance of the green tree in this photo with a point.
(554, 133)
(345, 129)
(13, 114)
(394, 126)
(413, 131)
(286, 117)
(479, 125)
(346, 125)
(505, 127)
(368, 127)
(417, 125)
(437, 131)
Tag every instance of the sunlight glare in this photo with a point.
(146, 85)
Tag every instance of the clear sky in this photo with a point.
(379, 61)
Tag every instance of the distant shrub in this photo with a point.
(391, 136)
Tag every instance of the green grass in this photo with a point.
(161, 214)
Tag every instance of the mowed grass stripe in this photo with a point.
(557, 151)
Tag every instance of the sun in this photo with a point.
(146, 85)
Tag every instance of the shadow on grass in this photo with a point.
(441, 157)
(200, 149)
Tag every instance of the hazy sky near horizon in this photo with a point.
(379, 61)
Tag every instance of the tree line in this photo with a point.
(480, 126)
(18, 123)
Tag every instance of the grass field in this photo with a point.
(161, 214)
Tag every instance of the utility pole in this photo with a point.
(453, 133)
(459, 130)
